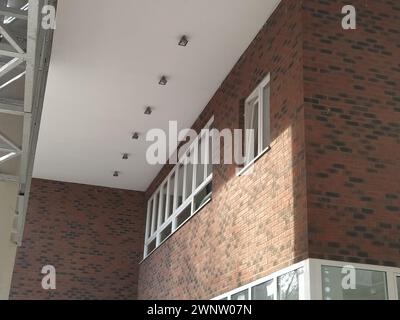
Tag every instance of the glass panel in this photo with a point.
(369, 285)
(266, 116)
(183, 216)
(166, 232)
(150, 218)
(162, 201)
(189, 177)
(180, 186)
(223, 299)
(210, 158)
(242, 295)
(288, 285)
(155, 212)
(200, 162)
(202, 196)
(398, 287)
(263, 291)
(151, 246)
(171, 194)
(251, 135)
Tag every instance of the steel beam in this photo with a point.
(9, 66)
(8, 178)
(13, 107)
(11, 12)
(7, 35)
(12, 54)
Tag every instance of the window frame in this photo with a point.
(154, 226)
(397, 283)
(316, 276)
(257, 97)
(310, 286)
(303, 288)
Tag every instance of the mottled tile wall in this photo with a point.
(352, 110)
(93, 236)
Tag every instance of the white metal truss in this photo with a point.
(35, 61)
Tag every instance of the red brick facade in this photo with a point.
(328, 188)
(330, 185)
(352, 110)
(93, 236)
(255, 224)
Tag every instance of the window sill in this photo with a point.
(252, 162)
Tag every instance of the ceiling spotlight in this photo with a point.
(163, 81)
(183, 41)
(135, 136)
(116, 174)
(125, 156)
(148, 110)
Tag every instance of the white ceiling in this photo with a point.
(107, 59)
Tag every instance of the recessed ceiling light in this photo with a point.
(163, 81)
(125, 156)
(116, 174)
(148, 110)
(183, 41)
(135, 136)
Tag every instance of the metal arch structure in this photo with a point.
(33, 63)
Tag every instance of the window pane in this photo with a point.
(183, 216)
(369, 285)
(266, 116)
(398, 287)
(189, 177)
(155, 212)
(200, 162)
(243, 295)
(151, 246)
(251, 134)
(202, 196)
(150, 215)
(166, 232)
(210, 156)
(162, 201)
(263, 291)
(180, 186)
(171, 194)
(288, 285)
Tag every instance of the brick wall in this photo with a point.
(352, 110)
(93, 236)
(255, 224)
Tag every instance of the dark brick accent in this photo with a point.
(364, 86)
(210, 254)
(93, 236)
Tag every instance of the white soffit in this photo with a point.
(106, 62)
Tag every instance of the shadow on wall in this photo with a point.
(255, 224)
